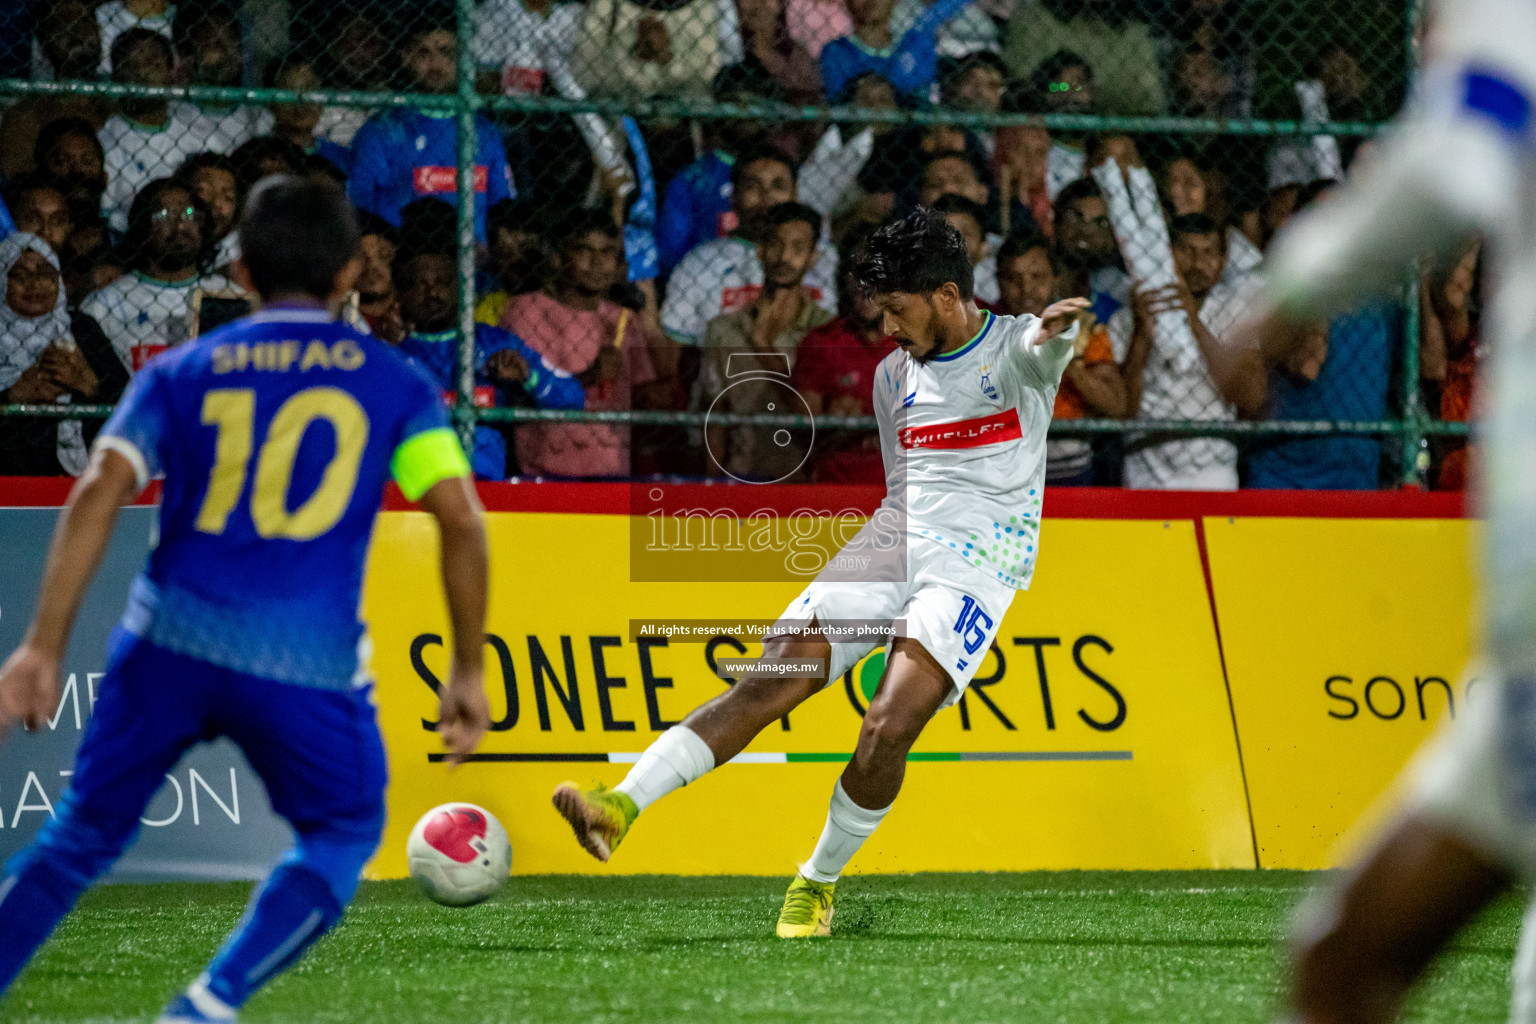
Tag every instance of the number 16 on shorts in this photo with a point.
(974, 626)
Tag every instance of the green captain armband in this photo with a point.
(426, 460)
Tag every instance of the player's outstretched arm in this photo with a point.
(1059, 317)
(464, 712)
(29, 680)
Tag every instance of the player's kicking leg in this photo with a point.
(1466, 830)
(914, 688)
(1362, 950)
(711, 735)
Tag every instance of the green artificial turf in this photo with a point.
(1073, 948)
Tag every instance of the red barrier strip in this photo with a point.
(787, 499)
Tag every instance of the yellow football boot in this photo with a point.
(807, 909)
(600, 816)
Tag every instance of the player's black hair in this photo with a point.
(135, 245)
(57, 130)
(793, 213)
(759, 152)
(1082, 188)
(1194, 224)
(917, 255)
(136, 37)
(583, 221)
(1020, 242)
(297, 235)
(951, 203)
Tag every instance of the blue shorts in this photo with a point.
(318, 752)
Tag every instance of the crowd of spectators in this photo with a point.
(624, 262)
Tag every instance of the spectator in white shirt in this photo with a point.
(1229, 381)
(146, 139)
(723, 275)
(149, 309)
(209, 45)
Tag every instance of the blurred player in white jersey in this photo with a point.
(963, 406)
(1462, 160)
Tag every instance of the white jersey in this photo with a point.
(143, 317)
(137, 154)
(223, 131)
(963, 439)
(724, 275)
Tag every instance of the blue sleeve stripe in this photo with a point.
(1499, 100)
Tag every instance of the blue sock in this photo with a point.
(34, 898)
(300, 901)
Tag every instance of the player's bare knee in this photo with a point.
(889, 731)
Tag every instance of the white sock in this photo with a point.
(678, 757)
(848, 825)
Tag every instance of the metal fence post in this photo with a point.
(1413, 426)
(464, 413)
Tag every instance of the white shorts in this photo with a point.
(946, 604)
(1477, 779)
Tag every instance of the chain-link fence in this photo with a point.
(657, 198)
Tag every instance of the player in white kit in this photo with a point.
(1462, 160)
(963, 406)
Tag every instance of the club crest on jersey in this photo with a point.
(987, 387)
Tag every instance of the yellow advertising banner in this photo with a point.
(1096, 735)
(1345, 640)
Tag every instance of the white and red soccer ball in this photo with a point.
(459, 854)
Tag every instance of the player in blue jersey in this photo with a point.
(507, 370)
(275, 436)
(403, 154)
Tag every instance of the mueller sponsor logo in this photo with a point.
(431, 180)
(1003, 426)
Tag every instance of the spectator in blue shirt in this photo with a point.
(402, 154)
(1343, 374)
(697, 206)
(910, 63)
(507, 370)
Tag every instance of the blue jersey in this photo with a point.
(910, 64)
(695, 207)
(402, 155)
(276, 435)
(547, 386)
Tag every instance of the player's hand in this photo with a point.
(29, 688)
(1271, 332)
(508, 366)
(1150, 303)
(1058, 316)
(463, 713)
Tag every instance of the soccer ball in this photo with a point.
(458, 854)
